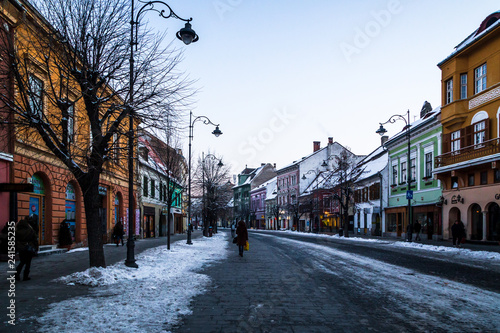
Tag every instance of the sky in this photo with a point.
(278, 75)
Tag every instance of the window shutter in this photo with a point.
(467, 133)
(446, 145)
(486, 129)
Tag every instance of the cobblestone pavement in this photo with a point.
(277, 287)
(32, 297)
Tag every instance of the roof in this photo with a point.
(375, 162)
(431, 115)
(491, 22)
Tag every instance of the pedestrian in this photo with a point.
(462, 233)
(409, 231)
(233, 230)
(242, 233)
(456, 233)
(417, 228)
(118, 233)
(27, 246)
(65, 239)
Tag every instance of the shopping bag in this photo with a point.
(247, 246)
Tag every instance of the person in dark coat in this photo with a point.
(242, 239)
(417, 227)
(65, 239)
(456, 233)
(118, 233)
(27, 245)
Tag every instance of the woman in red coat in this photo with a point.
(242, 233)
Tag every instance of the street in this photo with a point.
(304, 284)
(287, 282)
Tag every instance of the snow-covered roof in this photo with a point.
(430, 116)
(479, 33)
(375, 162)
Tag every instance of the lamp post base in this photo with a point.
(130, 261)
(189, 238)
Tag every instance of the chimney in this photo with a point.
(316, 146)
(383, 140)
(330, 140)
(274, 165)
(262, 164)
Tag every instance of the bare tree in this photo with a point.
(345, 174)
(71, 67)
(212, 179)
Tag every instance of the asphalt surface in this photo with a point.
(286, 283)
(291, 283)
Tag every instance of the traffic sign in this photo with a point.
(409, 195)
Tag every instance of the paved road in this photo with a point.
(289, 283)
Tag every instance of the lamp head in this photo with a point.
(381, 130)
(304, 177)
(324, 164)
(187, 34)
(217, 131)
(220, 164)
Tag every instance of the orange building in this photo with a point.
(469, 166)
(57, 194)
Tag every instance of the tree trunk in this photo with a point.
(91, 198)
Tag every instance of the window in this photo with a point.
(35, 95)
(484, 177)
(463, 86)
(161, 191)
(428, 165)
(454, 182)
(449, 91)
(479, 133)
(497, 175)
(403, 172)
(115, 147)
(455, 141)
(413, 169)
(145, 186)
(470, 180)
(394, 174)
(480, 78)
(153, 188)
(71, 123)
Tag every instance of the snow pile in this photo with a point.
(451, 250)
(151, 298)
(78, 249)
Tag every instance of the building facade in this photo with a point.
(469, 166)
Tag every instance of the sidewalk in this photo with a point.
(471, 245)
(33, 297)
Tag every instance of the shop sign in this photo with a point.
(103, 190)
(70, 192)
(38, 186)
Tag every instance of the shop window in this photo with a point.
(470, 180)
(392, 222)
(497, 175)
(484, 177)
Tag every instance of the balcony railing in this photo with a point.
(486, 148)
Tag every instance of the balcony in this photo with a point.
(483, 149)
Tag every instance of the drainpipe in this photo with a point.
(381, 200)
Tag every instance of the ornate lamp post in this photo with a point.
(316, 173)
(382, 131)
(188, 36)
(215, 132)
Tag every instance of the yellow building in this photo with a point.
(469, 166)
(57, 194)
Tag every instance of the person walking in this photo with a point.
(118, 233)
(417, 228)
(233, 230)
(27, 245)
(242, 233)
(456, 233)
(409, 231)
(65, 239)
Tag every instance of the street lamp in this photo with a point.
(381, 130)
(188, 36)
(219, 165)
(316, 173)
(217, 132)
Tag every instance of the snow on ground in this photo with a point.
(151, 298)
(414, 245)
(410, 294)
(78, 249)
